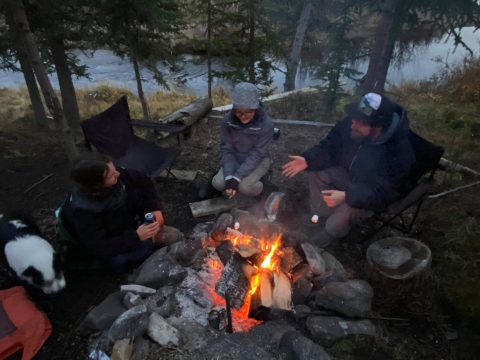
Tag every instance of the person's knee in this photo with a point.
(251, 189)
(218, 183)
(338, 224)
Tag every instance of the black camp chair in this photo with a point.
(427, 156)
(111, 133)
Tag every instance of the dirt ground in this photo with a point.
(27, 158)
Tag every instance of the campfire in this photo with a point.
(254, 273)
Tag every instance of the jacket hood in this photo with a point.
(106, 199)
(398, 129)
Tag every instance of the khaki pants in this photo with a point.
(250, 185)
(341, 217)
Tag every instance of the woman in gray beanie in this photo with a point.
(246, 133)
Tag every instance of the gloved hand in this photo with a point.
(232, 184)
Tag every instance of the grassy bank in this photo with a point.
(16, 110)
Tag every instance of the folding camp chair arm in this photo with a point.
(170, 128)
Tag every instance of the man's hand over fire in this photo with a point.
(231, 187)
(333, 198)
(295, 166)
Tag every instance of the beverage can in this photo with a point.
(149, 218)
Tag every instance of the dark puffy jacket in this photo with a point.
(378, 169)
(243, 147)
(106, 223)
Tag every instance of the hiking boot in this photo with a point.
(207, 191)
(322, 238)
(306, 219)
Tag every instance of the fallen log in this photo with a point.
(187, 116)
(447, 164)
(235, 280)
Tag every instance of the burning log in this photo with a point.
(224, 221)
(225, 251)
(235, 280)
(289, 259)
(282, 291)
(217, 318)
(251, 253)
(262, 299)
(237, 236)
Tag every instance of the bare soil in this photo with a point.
(27, 158)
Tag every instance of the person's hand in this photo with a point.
(231, 187)
(333, 197)
(147, 231)
(295, 166)
(159, 217)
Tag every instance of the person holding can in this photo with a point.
(106, 211)
(246, 133)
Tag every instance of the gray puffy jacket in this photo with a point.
(243, 147)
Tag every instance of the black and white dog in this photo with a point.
(29, 255)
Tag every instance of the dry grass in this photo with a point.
(16, 110)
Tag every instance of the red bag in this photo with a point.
(22, 325)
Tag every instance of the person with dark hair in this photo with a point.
(105, 212)
(361, 166)
(246, 133)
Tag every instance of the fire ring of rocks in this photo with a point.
(239, 275)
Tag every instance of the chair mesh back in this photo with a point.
(427, 157)
(110, 131)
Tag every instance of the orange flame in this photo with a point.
(254, 282)
(267, 263)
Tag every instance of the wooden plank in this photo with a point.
(184, 175)
(218, 205)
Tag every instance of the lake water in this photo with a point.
(104, 67)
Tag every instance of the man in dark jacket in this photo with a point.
(361, 166)
(246, 133)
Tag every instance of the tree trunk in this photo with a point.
(69, 98)
(292, 63)
(30, 81)
(251, 50)
(384, 64)
(381, 47)
(51, 99)
(133, 57)
(209, 47)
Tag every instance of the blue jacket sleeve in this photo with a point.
(229, 163)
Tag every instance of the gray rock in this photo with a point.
(326, 329)
(122, 349)
(194, 336)
(236, 346)
(294, 239)
(133, 322)
(269, 334)
(300, 291)
(352, 298)
(102, 316)
(101, 343)
(255, 226)
(314, 258)
(223, 222)
(153, 260)
(162, 332)
(156, 275)
(331, 263)
(143, 291)
(294, 346)
(141, 349)
(217, 318)
(201, 228)
(187, 252)
(301, 312)
(131, 300)
(328, 277)
(302, 270)
(391, 257)
(163, 302)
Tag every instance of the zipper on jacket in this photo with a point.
(355, 157)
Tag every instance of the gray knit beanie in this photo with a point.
(245, 96)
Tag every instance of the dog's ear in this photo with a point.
(35, 276)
